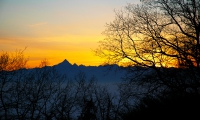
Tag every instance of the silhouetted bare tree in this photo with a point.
(8, 64)
(26, 93)
(155, 35)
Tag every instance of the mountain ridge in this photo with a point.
(105, 73)
(66, 62)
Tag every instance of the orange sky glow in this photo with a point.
(56, 29)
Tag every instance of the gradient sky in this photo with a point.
(56, 29)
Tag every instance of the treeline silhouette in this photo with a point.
(44, 93)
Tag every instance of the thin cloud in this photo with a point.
(38, 24)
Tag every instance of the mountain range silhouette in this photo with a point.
(105, 74)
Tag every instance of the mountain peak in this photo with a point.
(65, 61)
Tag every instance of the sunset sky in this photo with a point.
(56, 29)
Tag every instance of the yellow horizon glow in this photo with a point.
(56, 30)
(76, 49)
